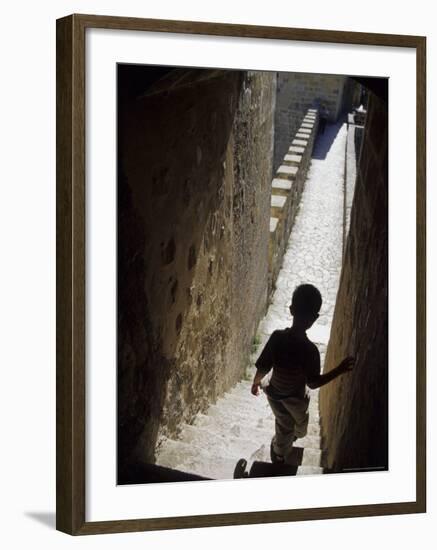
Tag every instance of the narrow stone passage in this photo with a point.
(240, 425)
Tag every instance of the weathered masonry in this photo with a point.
(298, 92)
(195, 171)
(287, 188)
(354, 408)
(204, 218)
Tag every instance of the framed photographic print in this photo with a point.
(240, 274)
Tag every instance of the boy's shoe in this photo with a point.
(274, 457)
(240, 469)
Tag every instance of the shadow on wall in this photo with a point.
(194, 160)
(354, 409)
(173, 191)
(324, 141)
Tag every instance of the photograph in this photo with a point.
(252, 274)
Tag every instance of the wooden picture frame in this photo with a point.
(71, 248)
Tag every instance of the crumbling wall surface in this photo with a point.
(296, 93)
(287, 188)
(354, 407)
(193, 214)
(252, 166)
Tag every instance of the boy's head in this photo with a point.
(305, 305)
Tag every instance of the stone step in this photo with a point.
(235, 399)
(273, 224)
(247, 423)
(295, 150)
(239, 416)
(299, 143)
(277, 205)
(224, 444)
(309, 470)
(182, 456)
(293, 159)
(243, 388)
(281, 184)
(309, 125)
(258, 405)
(310, 442)
(287, 171)
(250, 403)
(244, 385)
(312, 457)
(246, 399)
(277, 201)
(186, 458)
(261, 432)
(206, 454)
(304, 130)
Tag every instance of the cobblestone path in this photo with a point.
(240, 425)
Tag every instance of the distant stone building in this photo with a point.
(297, 92)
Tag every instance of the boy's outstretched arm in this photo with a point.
(345, 366)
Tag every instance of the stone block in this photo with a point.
(278, 201)
(273, 224)
(299, 142)
(309, 470)
(304, 130)
(279, 183)
(296, 150)
(309, 125)
(289, 171)
(293, 158)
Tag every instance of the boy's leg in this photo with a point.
(284, 428)
(298, 409)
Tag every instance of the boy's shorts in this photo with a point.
(291, 422)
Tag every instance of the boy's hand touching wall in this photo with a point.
(347, 364)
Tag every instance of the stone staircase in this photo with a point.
(238, 425)
(286, 191)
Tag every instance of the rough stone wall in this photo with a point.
(287, 188)
(194, 175)
(296, 93)
(253, 141)
(354, 407)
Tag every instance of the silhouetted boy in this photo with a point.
(296, 364)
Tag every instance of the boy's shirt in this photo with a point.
(294, 359)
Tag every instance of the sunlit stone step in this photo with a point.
(277, 201)
(299, 142)
(287, 171)
(273, 224)
(296, 159)
(294, 150)
(309, 470)
(279, 183)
